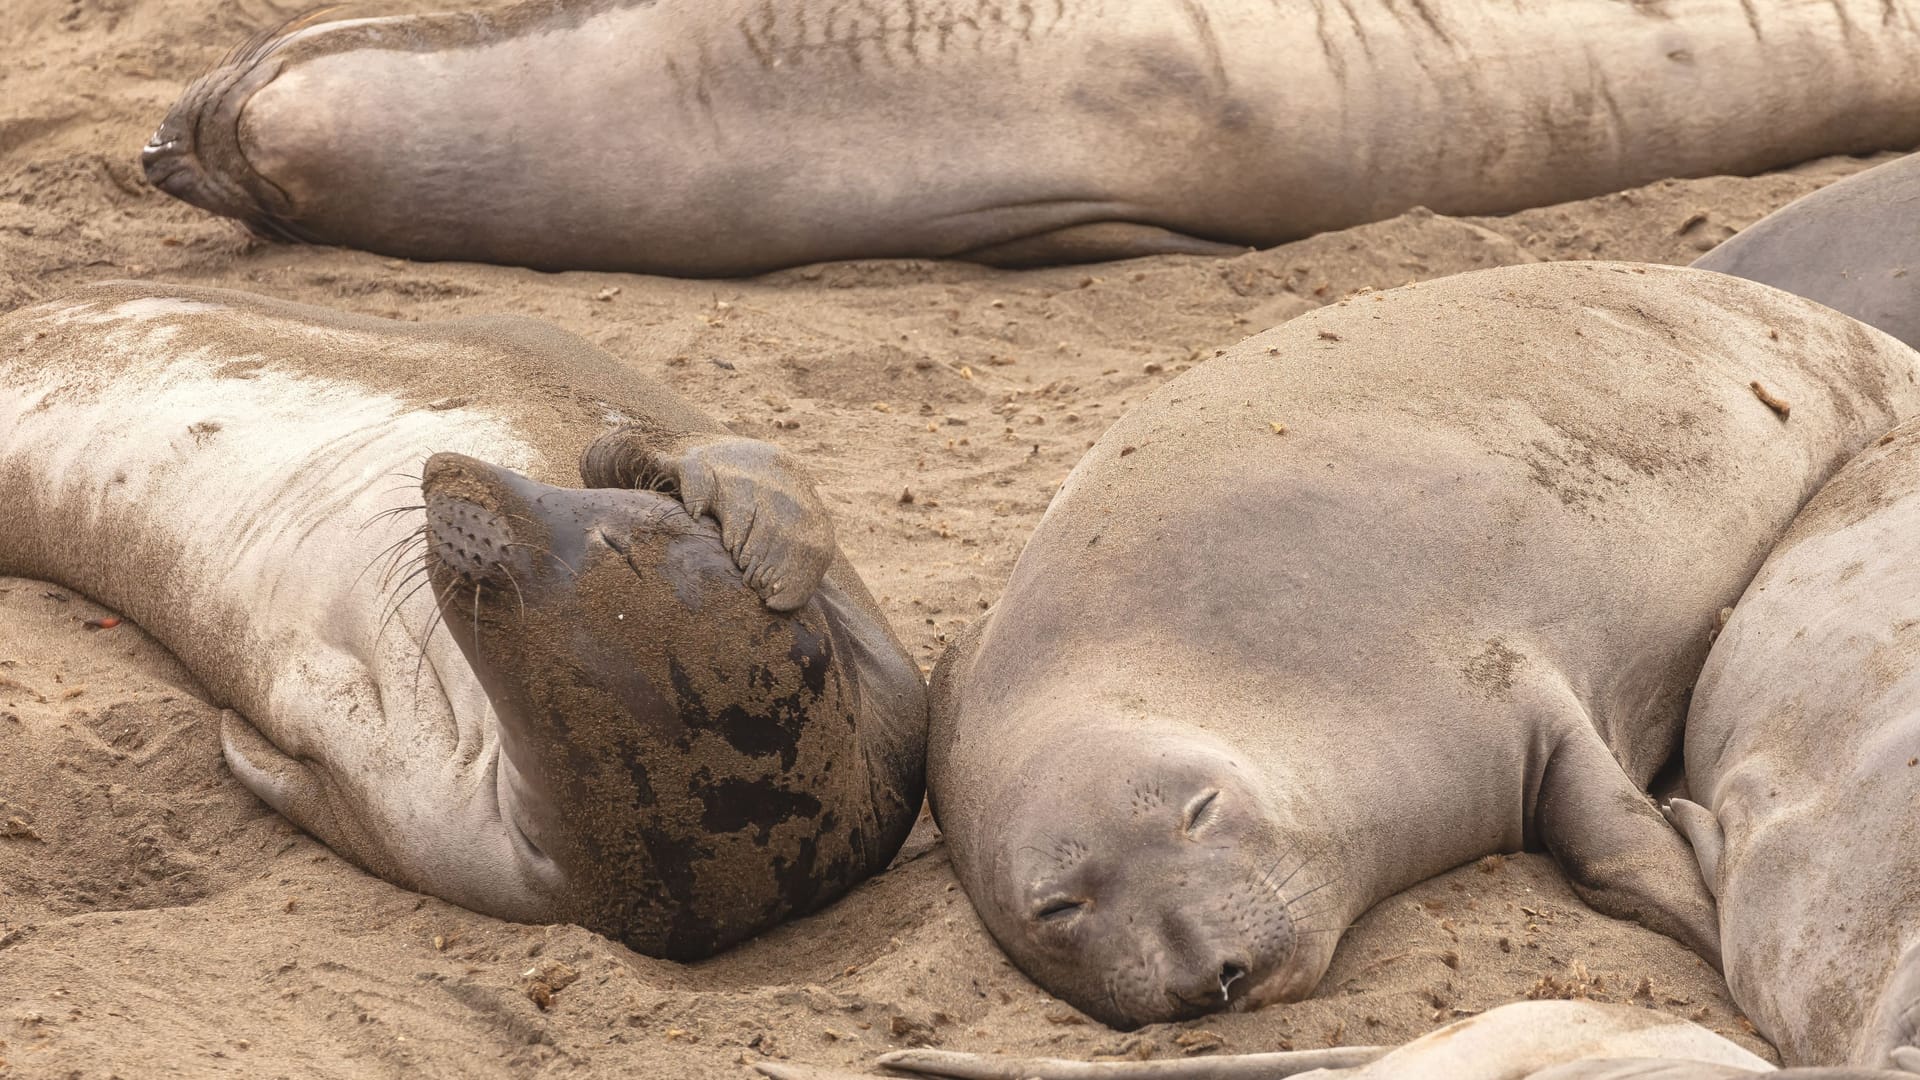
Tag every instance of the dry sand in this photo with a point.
(156, 920)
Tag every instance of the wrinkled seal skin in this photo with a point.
(1527, 1040)
(673, 720)
(1851, 245)
(1244, 684)
(1799, 754)
(712, 137)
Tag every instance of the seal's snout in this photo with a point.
(468, 530)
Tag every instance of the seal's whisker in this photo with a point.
(398, 604)
(433, 622)
(407, 578)
(548, 554)
(478, 588)
(1310, 892)
(403, 556)
(397, 548)
(516, 590)
(389, 513)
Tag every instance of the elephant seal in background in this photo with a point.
(713, 137)
(1526, 1040)
(1412, 579)
(1850, 245)
(1800, 754)
(614, 730)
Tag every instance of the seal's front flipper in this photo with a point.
(1702, 831)
(771, 520)
(280, 781)
(1272, 1066)
(1891, 1037)
(1619, 854)
(1100, 241)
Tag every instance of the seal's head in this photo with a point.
(681, 756)
(1154, 885)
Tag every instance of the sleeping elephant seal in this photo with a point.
(708, 137)
(1801, 760)
(1851, 245)
(1409, 580)
(1526, 1040)
(612, 729)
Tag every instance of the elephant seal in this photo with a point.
(715, 137)
(614, 731)
(1525, 1040)
(1800, 762)
(1849, 245)
(1409, 580)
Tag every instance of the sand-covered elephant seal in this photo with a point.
(1851, 245)
(613, 729)
(1803, 767)
(1415, 578)
(706, 137)
(1525, 1040)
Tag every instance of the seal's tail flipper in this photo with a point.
(1619, 854)
(1702, 831)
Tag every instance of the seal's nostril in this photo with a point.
(1230, 973)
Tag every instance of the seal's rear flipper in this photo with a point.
(1702, 831)
(1619, 854)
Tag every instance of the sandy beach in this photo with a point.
(158, 921)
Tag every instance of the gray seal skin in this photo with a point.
(713, 137)
(1850, 245)
(1412, 579)
(661, 706)
(1525, 1040)
(1800, 753)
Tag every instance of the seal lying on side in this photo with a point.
(1801, 750)
(736, 136)
(616, 731)
(1850, 245)
(1527, 1040)
(1409, 580)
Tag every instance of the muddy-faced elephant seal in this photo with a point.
(611, 729)
(711, 137)
(1801, 755)
(1526, 1040)
(1412, 579)
(1851, 245)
